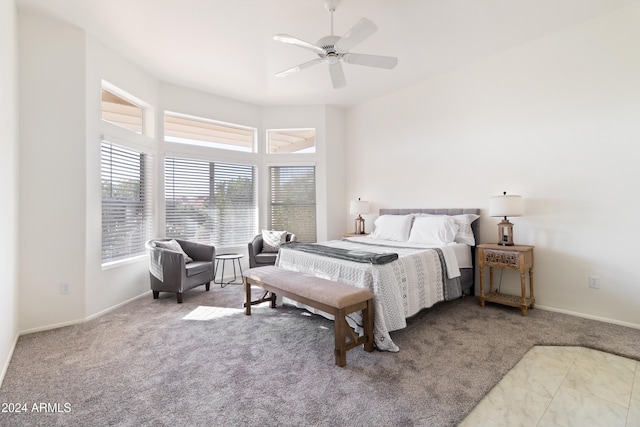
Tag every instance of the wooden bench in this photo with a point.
(331, 297)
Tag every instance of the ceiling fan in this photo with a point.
(335, 50)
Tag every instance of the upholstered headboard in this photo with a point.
(475, 225)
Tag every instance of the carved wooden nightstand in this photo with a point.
(516, 257)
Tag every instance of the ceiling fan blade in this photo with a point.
(286, 38)
(337, 75)
(377, 61)
(299, 67)
(363, 29)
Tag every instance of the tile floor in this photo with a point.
(563, 386)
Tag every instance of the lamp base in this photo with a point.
(359, 225)
(505, 233)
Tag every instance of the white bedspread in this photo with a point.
(401, 288)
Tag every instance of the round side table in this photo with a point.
(224, 258)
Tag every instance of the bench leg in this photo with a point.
(268, 296)
(367, 322)
(247, 297)
(273, 300)
(340, 350)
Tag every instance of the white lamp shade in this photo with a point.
(506, 205)
(358, 207)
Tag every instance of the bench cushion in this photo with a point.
(324, 291)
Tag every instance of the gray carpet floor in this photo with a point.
(204, 363)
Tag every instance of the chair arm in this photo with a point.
(166, 265)
(255, 246)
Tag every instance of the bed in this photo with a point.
(410, 262)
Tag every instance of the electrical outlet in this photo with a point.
(65, 288)
(594, 282)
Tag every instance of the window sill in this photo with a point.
(122, 262)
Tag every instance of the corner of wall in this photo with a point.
(8, 183)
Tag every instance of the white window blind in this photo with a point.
(126, 202)
(121, 112)
(210, 133)
(293, 200)
(291, 141)
(211, 202)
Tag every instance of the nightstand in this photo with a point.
(516, 257)
(344, 235)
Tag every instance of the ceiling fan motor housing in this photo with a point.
(331, 52)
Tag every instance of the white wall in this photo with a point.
(557, 121)
(8, 182)
(52, 171)
(334, 159)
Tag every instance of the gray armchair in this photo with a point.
(169, 272)
(257, 258)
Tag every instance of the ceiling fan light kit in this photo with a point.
(335, 50)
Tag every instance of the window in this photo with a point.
(214, 203)
(292, 205)
(121, 112)
(291, 141)
(209, 133)
(126, 202)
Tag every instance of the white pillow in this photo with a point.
(465, 233)
(272, 239)
(392, 227)
(433, 230)
(173, 245)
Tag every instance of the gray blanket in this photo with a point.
(346, 254)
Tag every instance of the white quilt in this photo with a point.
(401, 288)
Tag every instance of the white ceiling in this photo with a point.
(226, 47)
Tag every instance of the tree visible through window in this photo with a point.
(292, 204)
(210, 202)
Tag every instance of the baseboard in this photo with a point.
(110, 309)
(50, 327)
(583, 315)
(77, 321)
(588, 316)
(5, 366)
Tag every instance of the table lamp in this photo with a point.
(505, 206)
(359, 207)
